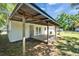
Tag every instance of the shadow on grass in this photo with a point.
(68, 44)
(7, 48)
(33, 47)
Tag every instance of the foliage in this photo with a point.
(5, 10)
(67, 21)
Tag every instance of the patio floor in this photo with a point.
(44, 38)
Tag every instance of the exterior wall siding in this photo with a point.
(15, 30)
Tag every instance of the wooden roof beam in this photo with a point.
(36, 15)
(43, 18)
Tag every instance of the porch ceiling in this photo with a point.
(31, 15)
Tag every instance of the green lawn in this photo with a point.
(67, 44)
(70, 34)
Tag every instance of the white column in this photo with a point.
(47, 33)
(23, 31)
(55, 33)
(7, 24)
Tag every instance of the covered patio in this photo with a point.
(30, 13)
(44, 38)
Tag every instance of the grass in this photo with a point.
(67, 44)
(7, 48)
(70, 34)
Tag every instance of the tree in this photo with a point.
(67, 21)
(5, 10)
(63, 20)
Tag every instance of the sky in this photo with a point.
(55, 9)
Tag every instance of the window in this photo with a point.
(36, 30)
(39, 30)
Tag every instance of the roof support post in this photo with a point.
(23, 38)
(58, 31)
(47, 33)
(55, 32)
(7, 24)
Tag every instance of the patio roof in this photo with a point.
(32, 13)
